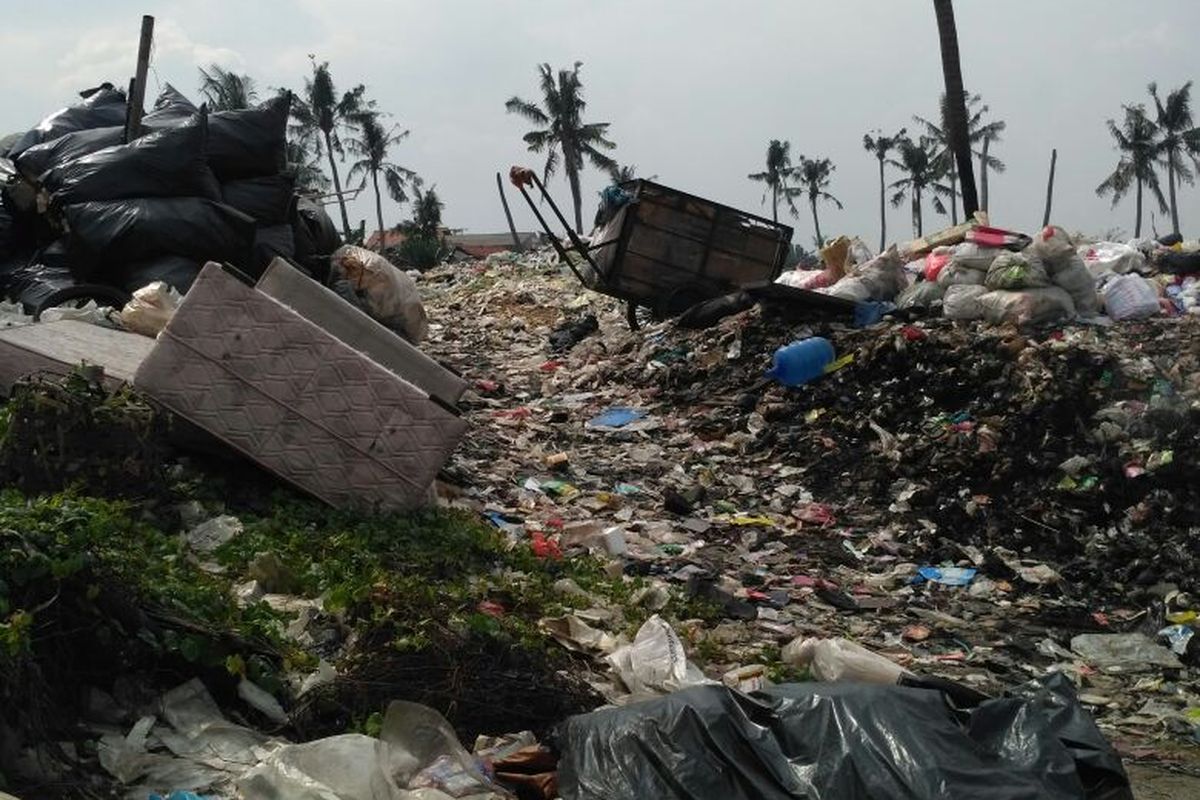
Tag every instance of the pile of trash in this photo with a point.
(976, 272)
(88, 214)
(983, 504)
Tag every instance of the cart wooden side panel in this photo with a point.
(671, 244)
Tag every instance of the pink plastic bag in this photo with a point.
(936, 260)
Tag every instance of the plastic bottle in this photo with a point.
(841, 660)
(800, 362)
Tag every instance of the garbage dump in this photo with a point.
(915, 522)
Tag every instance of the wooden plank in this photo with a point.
(62, 345)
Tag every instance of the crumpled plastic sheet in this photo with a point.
(843, 741)
(416, 757)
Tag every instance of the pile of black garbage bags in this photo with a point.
(89, 215)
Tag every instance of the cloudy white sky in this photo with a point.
(694, 89)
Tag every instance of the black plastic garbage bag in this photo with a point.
(268, 198)
(167, 163)
(34, 162)
(270, 243)
(251, 142)
(109, 233)
(170, 109)
(322, 233)
(844, 741)
(102, 107)
(46, 281)
(177, 271)
(1178, 263)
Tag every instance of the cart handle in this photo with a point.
(522, 177)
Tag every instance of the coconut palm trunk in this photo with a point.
(378, 207)
(337, 185)
(916, 212)
(775, 204)
(1171, 190)
(1137, 225)
(953, 195)
(983, 171)
(576, 198)
(812, 203)
(956, 104)
(882, 209)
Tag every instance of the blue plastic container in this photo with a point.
(800, 362)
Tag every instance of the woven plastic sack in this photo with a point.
(1130, 297)
(1016, 271)
(1028, 307)
(961, 302)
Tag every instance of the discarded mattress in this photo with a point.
(65, 344)
(296, 399)
(850, 741)
(321, 306)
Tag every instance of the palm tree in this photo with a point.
(812, 175)
(224, 90)
(427, 211)
(1177, 137)
(919, 163)
(626, 172)
(980, 134)
(372, 144)
(777, 176)
(564, 132)
(956, 106)
(881, 146)
(307, 169)
(321, 117)
(1139, 150)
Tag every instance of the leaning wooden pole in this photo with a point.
(137, 91)
(956, 105)
(508, 215)
(1050, 187)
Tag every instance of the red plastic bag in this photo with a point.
(998, 237)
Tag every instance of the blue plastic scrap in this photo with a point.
(180, 796)
(616, 417)
(946, 576)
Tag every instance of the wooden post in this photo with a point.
(508, 215)
(137, 92)
(1050, 187)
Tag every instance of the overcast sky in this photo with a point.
(694, 89)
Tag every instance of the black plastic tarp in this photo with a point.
(267, 198)
(101, 107)
(843, 741)
(166, 163)
(109, 233)
(273, 242)
(34, 162)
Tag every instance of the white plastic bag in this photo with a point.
(975, 256)
(387, 294)
(860, 252)
(881, 278)
(1016, 271)
(921, 295)
(961, 302)
(655, 662)
(841, 660)
(1053, 246)
(1130, 297)
(1073, 276)
(1027, 307)
(1104, 257)
(150, 309)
